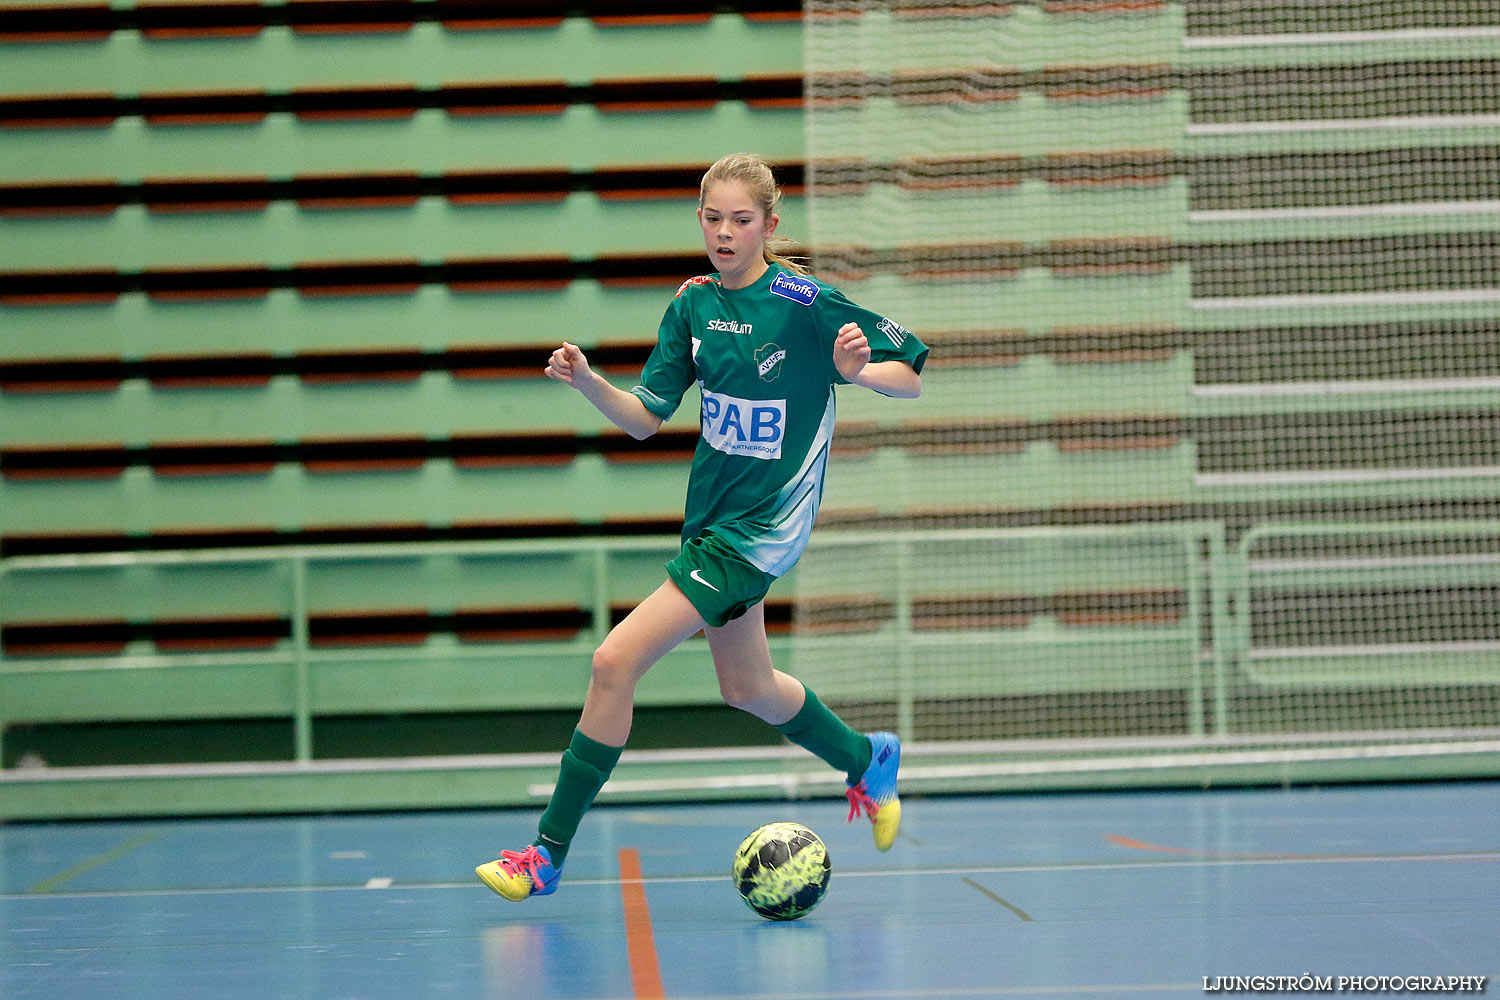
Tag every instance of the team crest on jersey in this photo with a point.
(702, 279)
(893, 330)
(800, 290)
(768, 361)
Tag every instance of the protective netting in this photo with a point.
(1210, 438)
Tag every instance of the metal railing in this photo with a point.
(298, 651)
(1476, 660)
(1202, 553)
(1201, 548)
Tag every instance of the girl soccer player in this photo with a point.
(766, 344)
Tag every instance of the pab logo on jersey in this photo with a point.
(768, 361)
(750, 427)
(797, 289)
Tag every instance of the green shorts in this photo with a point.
(717, 579)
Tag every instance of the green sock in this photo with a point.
(586, 765)
(817, 728)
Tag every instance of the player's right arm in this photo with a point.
(625, 410)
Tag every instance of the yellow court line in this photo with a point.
(89, 864)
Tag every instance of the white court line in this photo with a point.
(793, 782)
(1081, 866)
(768, 755)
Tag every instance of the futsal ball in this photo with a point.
(782, 870)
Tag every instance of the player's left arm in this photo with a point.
(851, 356)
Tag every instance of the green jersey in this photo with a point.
(763, 360)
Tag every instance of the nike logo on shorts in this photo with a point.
(698, 578)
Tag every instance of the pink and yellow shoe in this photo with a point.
(519, 874)
(875, 794)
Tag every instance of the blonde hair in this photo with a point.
(755, 174)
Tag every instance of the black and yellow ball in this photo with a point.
(782, 870)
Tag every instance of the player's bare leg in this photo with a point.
(658, 624)
(747, 680)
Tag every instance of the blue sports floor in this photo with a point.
(1112, 895)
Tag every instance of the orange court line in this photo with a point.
(645, 974)
(1200, 852)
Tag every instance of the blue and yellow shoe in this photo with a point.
(518, 874)
(875, 794)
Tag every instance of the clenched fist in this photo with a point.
(851, 351)
(568, 365)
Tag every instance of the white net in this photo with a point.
(1209, 444)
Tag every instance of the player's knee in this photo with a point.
(743, 693)
(610, 668)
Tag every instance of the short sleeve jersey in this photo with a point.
(763, 360)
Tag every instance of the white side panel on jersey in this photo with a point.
(796, 505)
